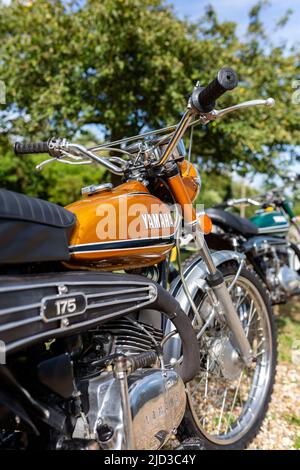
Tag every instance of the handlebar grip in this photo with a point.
(203, 99)
(32, 147)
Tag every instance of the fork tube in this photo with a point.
(215, 278)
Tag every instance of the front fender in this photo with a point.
(195, 275)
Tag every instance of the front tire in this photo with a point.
(233, 425)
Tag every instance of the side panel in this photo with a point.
(24, 313)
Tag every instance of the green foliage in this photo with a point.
(57, 182)
(297, 442)
(129, 65)
(288, 330)
(216, 187)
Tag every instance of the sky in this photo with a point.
(237, 11)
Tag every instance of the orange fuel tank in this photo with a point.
(122, 228)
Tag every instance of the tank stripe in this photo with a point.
(121, 244)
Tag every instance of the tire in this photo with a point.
(191, 426)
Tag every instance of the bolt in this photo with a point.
(105, 432)
(62, 289)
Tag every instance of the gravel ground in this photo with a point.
(281, 427)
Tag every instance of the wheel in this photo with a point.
(227, 402)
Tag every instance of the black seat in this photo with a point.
(232, 222)
(33, 230)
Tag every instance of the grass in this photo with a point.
(297, 442)
(292, 419)
(288, 323)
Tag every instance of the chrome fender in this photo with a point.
(195, 276)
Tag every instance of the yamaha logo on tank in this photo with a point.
(157, 220)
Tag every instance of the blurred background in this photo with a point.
(91, 70)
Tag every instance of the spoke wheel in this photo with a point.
(227, 401)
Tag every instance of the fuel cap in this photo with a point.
(96, 188)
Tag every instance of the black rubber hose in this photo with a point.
(190, 349)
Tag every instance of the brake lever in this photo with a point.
(269, 102)
(205, 118)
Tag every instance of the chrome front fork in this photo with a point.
(225, 306)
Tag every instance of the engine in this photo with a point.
(84, 362)
(156, 397)
(273, 257)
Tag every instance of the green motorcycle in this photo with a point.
(266, 238)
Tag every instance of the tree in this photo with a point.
(129, 65)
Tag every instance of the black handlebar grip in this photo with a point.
(37, 147)
(203, 99)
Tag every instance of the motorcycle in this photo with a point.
(264, 239)
(101, 352)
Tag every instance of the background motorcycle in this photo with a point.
(110, 360)
(264, 238)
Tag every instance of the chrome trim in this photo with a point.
(21, 308)
(122, 249)
(69, 283)
(117, 302)
(106, 294)
(283, 228)
(124, 240)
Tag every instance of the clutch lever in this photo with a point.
(61, 159)
(40, 166)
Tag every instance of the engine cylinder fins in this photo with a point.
(131, 339)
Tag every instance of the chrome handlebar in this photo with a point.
(244, 200)
(103, 161)
(64, 150)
